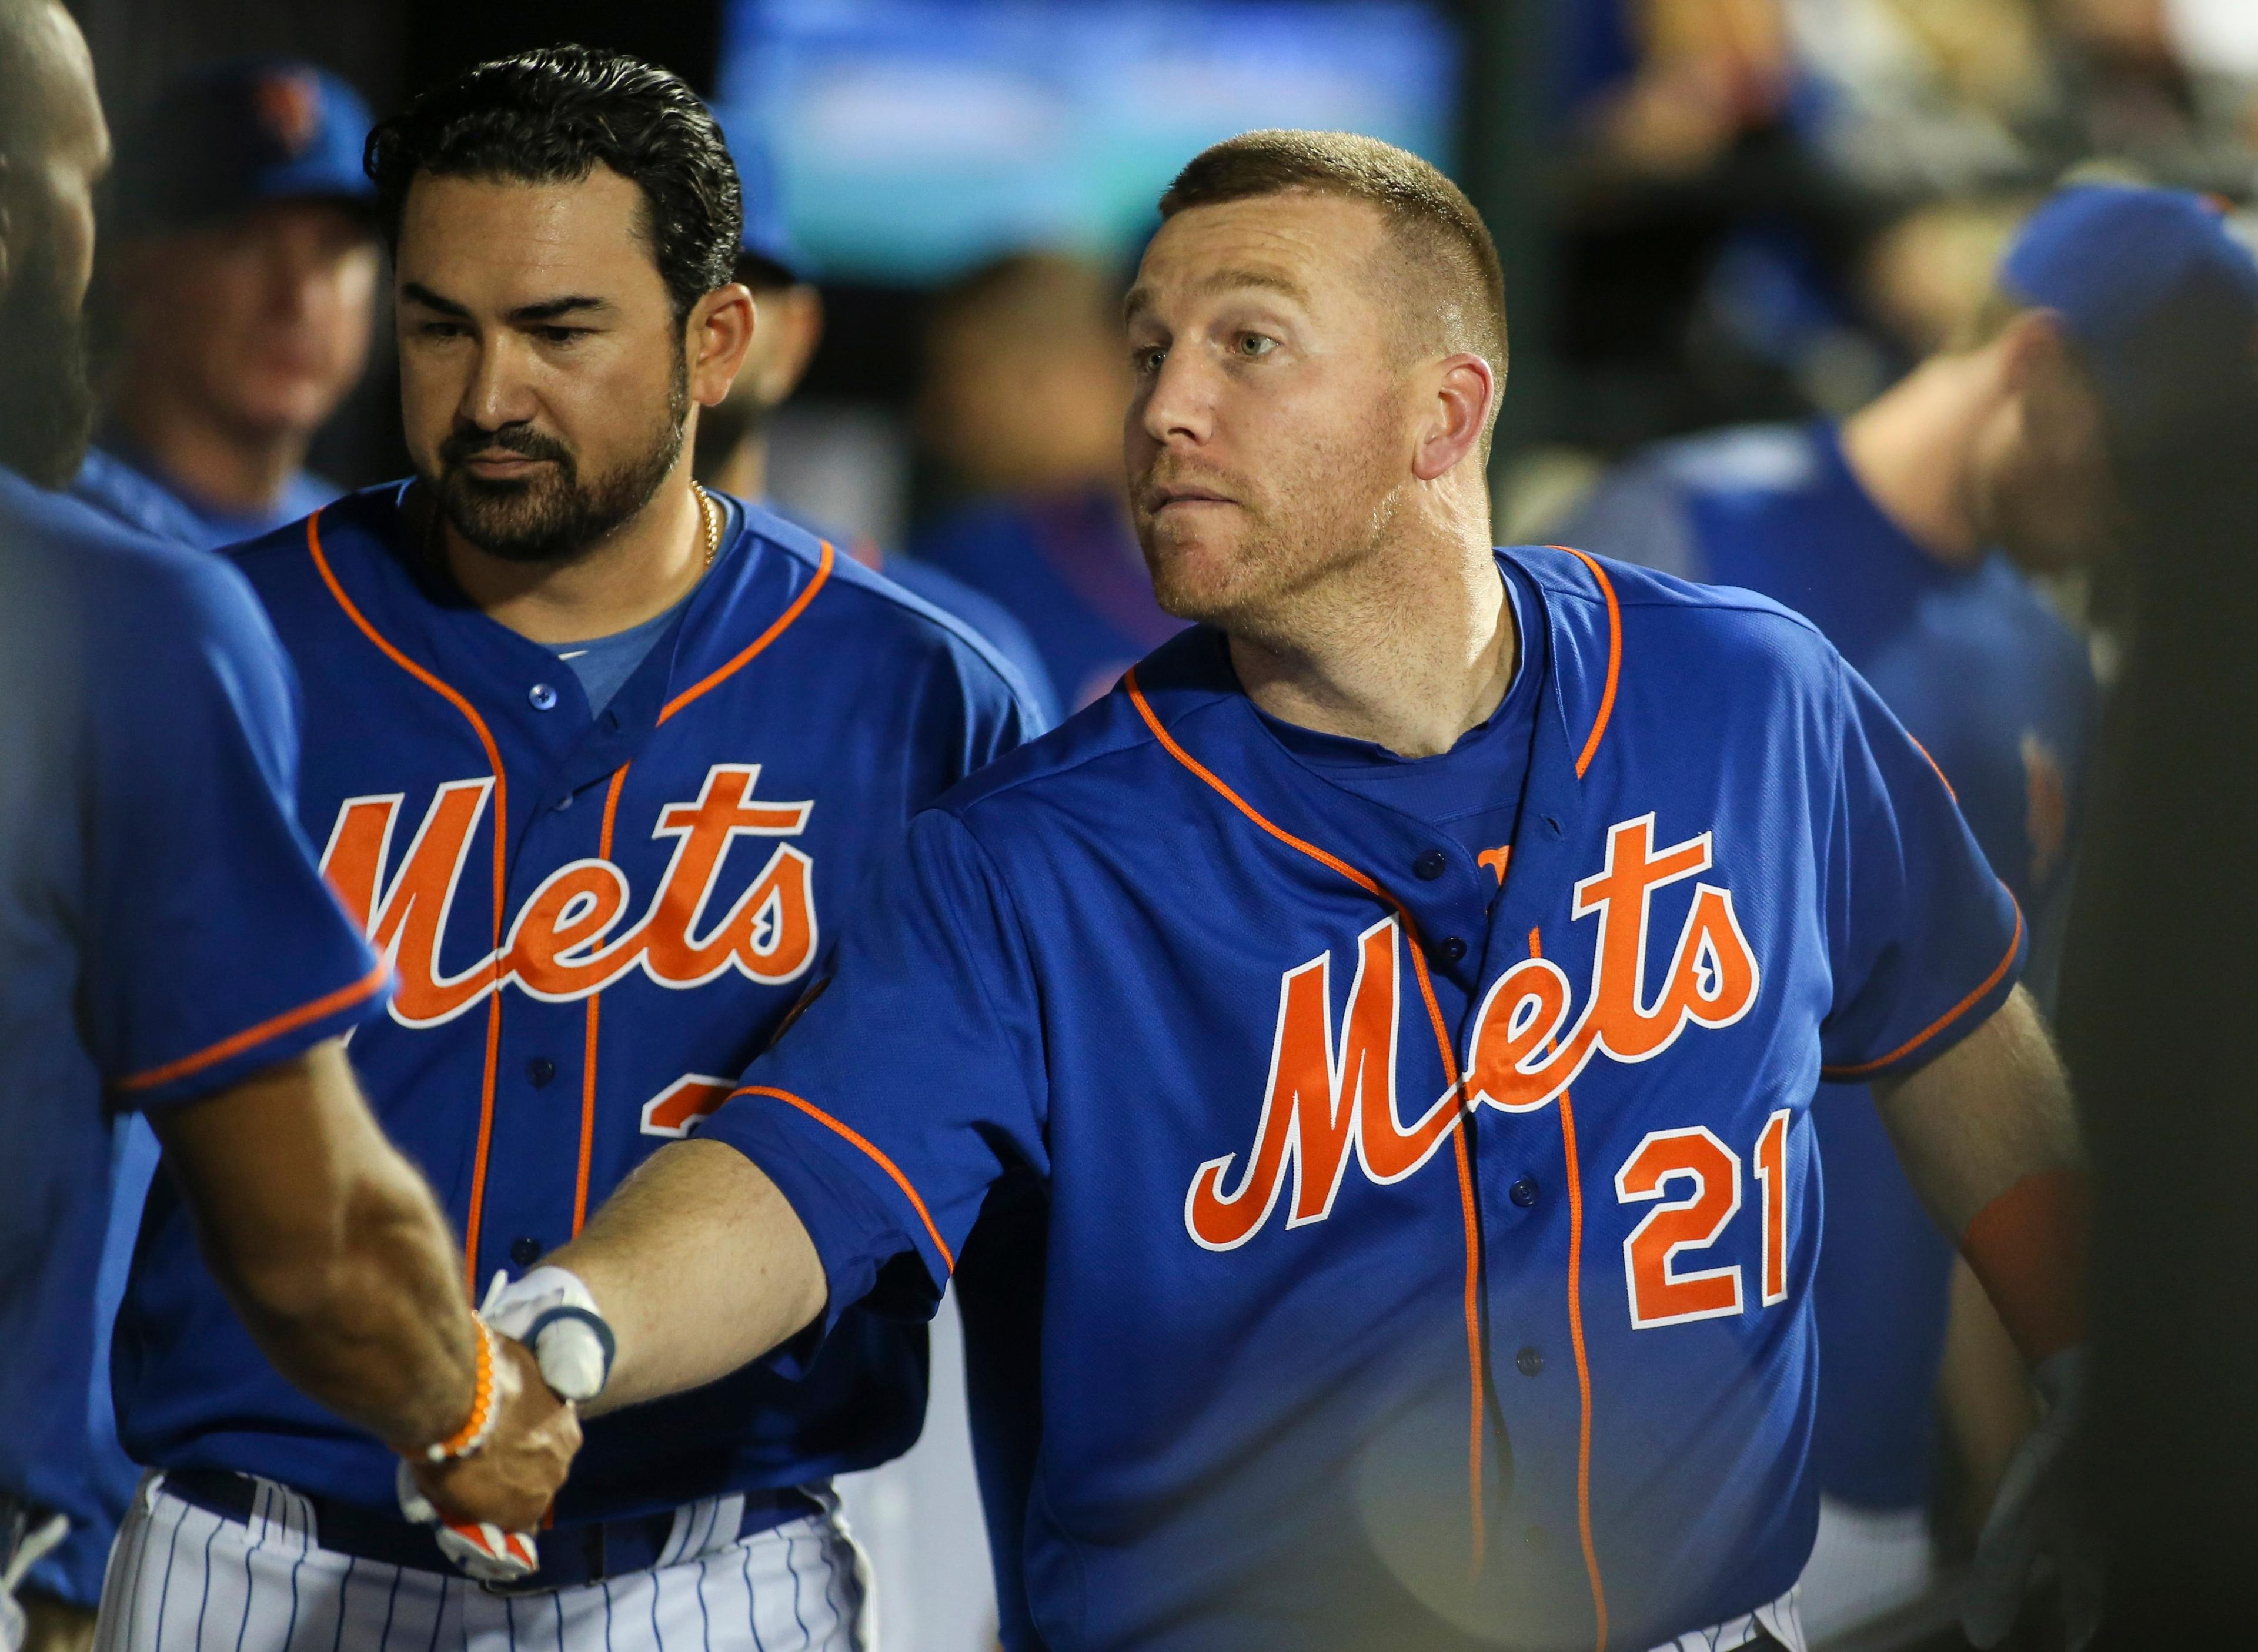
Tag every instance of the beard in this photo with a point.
(1243, 573)
(555, 516)
(46, 397)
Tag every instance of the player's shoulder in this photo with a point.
(142, 608)
(883, 619)
(1627, 618)
(347, 530)
(1112, 739)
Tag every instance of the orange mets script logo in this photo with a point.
(1331, 1100)
(560, 946)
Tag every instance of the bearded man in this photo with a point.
(599, 758)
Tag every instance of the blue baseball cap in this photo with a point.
(240, 134)
(2152, 285)
(767, 235)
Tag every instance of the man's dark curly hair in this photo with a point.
(553, 116)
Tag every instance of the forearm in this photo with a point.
(700, 1267)
(1990, 1113)
(1989, 1139)
(379, 1331)
(329, 1245)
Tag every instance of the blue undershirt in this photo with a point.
(1472, 791)
(603, 664)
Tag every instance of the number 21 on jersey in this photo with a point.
(1707, 1178)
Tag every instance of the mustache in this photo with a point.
(1165, 473)
(520, 439)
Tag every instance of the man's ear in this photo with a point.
(719, 332)
(1464, 392)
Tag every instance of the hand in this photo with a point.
(513, 1478)
(2038, 1514)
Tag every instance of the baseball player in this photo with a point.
(1903, 533)
(1411, 985)
(242, 181)
(598, 760)
(167, 947)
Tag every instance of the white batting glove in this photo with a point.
(2038, 1513)
(550, 1311)
(480, 1549)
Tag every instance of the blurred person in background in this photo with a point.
(239, 268)
(1906, 534)
(166, 945)
(1026, 376)
(239, 284)
(733, 436)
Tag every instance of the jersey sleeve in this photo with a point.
(911, 1080)
(213, 948)
(1924, 941)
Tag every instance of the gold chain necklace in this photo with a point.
(709, 514)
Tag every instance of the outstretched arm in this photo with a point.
(339, 1261)
(700, 1267)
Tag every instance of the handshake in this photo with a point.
(545, 1352)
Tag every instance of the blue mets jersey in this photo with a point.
(2000, 690)
(163, 930)
(593, 922)
(1319, 1343)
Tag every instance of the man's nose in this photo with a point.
(495, 394)
(1179, 402)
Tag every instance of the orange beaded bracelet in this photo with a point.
(466, 1440)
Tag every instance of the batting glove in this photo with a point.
(550, 1311)
(480, 1549)
(2038, 1513)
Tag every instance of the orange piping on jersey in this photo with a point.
(884, 1163)
(1497, 860)
(777, 629)
(1932, 763)
(1614, 658)
(588, 1053)
(1945, 1020)
(1474, 1358)
(781, 623)
(1576, 1342)
(501, 888)
(251, 1037)
(1472, 1308)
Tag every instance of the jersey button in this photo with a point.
(1431, 865)
(525, 1252)
(543, 696)
(1529, 1362)
(540, 1070)
(1450, 949)
(1524, 1193)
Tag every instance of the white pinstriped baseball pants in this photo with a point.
(184, 1579)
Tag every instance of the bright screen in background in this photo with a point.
(914, 137)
